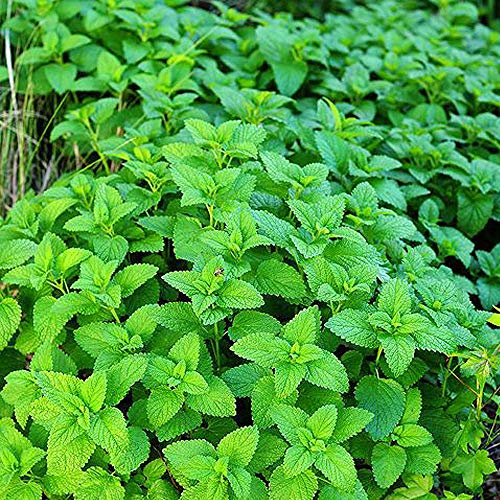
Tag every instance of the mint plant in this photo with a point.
(263, 268)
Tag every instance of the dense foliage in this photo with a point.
(270, 271)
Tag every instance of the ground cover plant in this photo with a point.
(262, 257)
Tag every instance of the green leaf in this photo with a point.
(413, 406)
(69, 447)
(187, 349)
(98, 483)
(238, 294)
(276, 46)
(353, 325)
(350, 422)
(93, 391)
(130, 458)
(385, 399)
(328, 372)
(122, 375)
(409, 435)
(473, 467)
(181, 452)
(21, 391)
(239, 446)
(247, 322)
(289, 420)
(474, 211)
(108, 429)
(399, 351)
(322, 422)
(297, 460)
(264, 349)
(304, 327)
(264, 401)
(240, 481)
(16, 252)
(277, 278)
(110, 248)
(422, 459)
(163, 404)
(329, 492)
(388, 464)
(394, 298)
(287, 377)
(300, 487)
(338, 466)
(242, 379)
(132, 277)
(10, 318)
(217, 401)
(61, 76)
(19, 489)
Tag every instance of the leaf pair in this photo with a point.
(218, 472)
(315, 441)
(214, 293)
(392, 327)
(294, 355)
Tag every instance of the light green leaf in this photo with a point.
(300, 487)
(350, 422)
(385, 399)
(277, 278)
(388, 463)
(163, 404)
(338, 466)
(108, 429)
(473, 467)
(297, 460)
(399, 351)
(98, 484)
(10, 318)
(322, 422)
(304, 327)
(409, 435)
(239, 446)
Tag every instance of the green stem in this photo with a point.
(446, 375)
(377, 360)
(115, 316)
(210, 209)
(479, 401)
(217, 347)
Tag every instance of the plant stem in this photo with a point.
(479, 400)
(217, 347)
(115, 316)
(377, 360)
(446, 375)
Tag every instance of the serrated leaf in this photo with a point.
(350, 422)
(300, 487)
(388, 463)
(338, 466)
(277, 278)
(98, 483)
(385, 399)
(239, 446)
(108, 429)
(217, 401)
(163, 404)
(132, 277)
(16, 252)
(328, 372)
(410, 435)
(10, 318)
